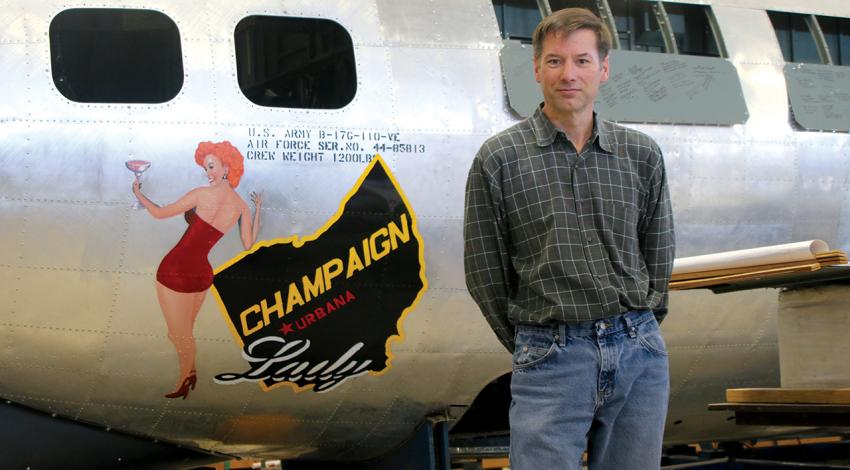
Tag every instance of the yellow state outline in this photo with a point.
(299, 242)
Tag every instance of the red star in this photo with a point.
(286, 329)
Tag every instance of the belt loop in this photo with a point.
(560, 333)
(628, 319)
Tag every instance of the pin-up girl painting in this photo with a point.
(185, 274)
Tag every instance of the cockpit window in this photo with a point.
(288, 62)
(106, 55)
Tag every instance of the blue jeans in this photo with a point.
(600, 384)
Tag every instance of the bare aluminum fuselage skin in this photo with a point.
(82, 333)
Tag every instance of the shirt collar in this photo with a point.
(546, 132)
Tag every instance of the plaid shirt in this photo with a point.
(555, 236)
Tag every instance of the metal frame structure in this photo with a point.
(820, 40)
(670, 46)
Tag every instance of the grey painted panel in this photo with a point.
(518, 72)
(644, 87)
(820, 96)
(647, 87)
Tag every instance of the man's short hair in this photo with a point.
(567, 21)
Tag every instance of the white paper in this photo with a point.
(787, 253)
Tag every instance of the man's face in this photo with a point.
(569, 72)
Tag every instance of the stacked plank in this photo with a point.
(756, 263)
(788, 407)
(815, 396)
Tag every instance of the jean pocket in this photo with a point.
(650, 339)
(532, 349)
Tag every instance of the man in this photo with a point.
(568, 252)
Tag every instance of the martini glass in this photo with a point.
(137, 167)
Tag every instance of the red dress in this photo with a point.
(185, 268)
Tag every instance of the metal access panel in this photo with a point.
(820, 96)
(643, 87)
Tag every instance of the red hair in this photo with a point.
(227, 153)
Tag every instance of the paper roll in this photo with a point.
(767, 255)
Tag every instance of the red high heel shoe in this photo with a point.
(183, 391)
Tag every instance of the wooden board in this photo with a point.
(742, 270)
(834, 396)
(834, 256)
(710, 281)
(787, 414)
(730, 276)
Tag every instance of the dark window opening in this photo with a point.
(637, 25)
(795, 37)
(115, 56)
(591, 5)
(836, 32)
(692, 29)
(295, 62)
(517, 18)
